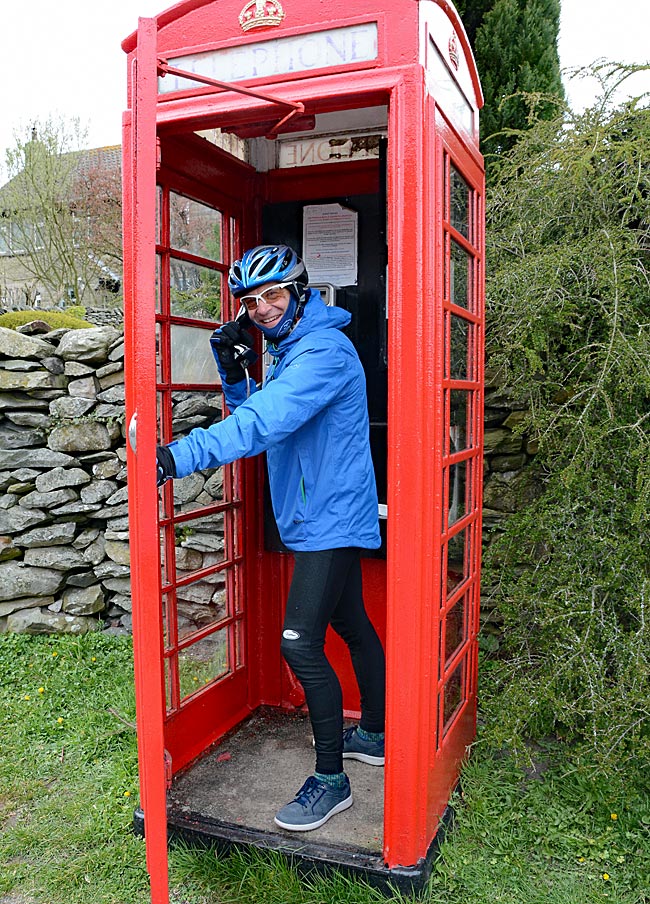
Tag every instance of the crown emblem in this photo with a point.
(453, 50)
(259, 13)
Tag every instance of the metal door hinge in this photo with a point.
(168, 770)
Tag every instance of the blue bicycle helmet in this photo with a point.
(267, 264)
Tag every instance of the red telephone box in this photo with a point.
(353, 138)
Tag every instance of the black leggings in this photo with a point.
(326, 590)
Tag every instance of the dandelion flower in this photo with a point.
(41, 690)
(27, 697)
(606, 877)
(54, 653)
(127, 794)
(613, 815)
(581, 859)
(60, 720)
(93, 659)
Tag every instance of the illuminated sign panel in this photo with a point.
(279, 56)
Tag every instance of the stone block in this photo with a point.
(39, 621)
(58, 558)
(89, 436)
(18, 579)
(36, 379)
(52, 535)
(84, 600)
(90, 346)
(17, 345)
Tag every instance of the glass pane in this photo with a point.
(192, 360)
(239, 641)
(194, 408)
(168, 619)
(158, 284)
(457, 484)
(237, 532)
(159, 355)
(453, 693)
(459, 203)
(458, 432)
(194, 227)
(455, 628)
(198, 490)
(166, 562)
(460, 276)
(458, 559)
(459, 349)
(159, 207)
(201, 603)
(203, 661)
(168, 684)
(194, 291)
(204, 536)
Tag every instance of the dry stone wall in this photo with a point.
(64, 554)
(64, 530)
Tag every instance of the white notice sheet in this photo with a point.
(329, 244)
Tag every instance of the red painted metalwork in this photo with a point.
(424, 598)
(139, 176)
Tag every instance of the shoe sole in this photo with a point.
(364, 758)
(344, 805)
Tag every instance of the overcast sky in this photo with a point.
(63, 57)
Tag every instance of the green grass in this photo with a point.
(560, 834)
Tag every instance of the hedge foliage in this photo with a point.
(71, 319)
(568, 296)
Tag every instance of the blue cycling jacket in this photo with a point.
(311, 418)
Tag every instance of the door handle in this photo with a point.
(132, 430)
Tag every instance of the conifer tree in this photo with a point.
(515, 45)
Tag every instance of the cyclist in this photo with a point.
(311, 419)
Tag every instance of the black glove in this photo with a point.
(166, 465)
(232, 346)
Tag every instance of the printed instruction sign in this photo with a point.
(329, 243)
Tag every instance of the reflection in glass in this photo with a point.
(453, 693)
(459, 348)
(194, 291)
(194, 227)
(192, 360)
(457, 485)
(459, 202)
(458, 559)
(458, 434)
(454, 628)
(203, 661)
(460, 276)
(201, 603)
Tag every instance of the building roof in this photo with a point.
(83, 163)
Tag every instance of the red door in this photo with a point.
(189, 584)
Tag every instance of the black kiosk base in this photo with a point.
(228, 799)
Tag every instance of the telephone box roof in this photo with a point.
(197, 27)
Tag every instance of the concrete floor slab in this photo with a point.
(259, 766)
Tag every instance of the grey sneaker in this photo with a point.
(355, 748)
(313, 805)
